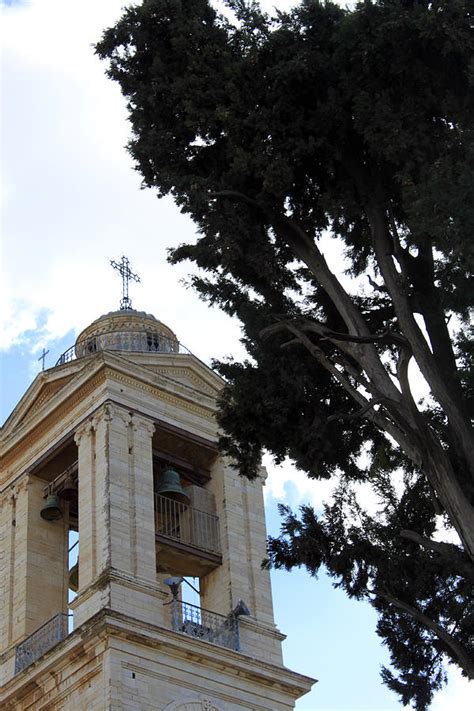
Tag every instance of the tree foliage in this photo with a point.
(327, 126)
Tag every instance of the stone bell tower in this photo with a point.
(113, 494)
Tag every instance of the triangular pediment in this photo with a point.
(44, 388)
(178, 370)
(188, 377)
(47, 392)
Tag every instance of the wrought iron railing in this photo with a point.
(132, 341)
(38, 643)
(206, 625)
(186, 524)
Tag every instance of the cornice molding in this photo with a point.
(108, 624)
(178, 400)
(66, 413)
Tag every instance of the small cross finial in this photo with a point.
(123, 268)
(42, 357)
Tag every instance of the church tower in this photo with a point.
(115, 504)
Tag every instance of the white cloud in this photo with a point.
(285, 482)
(71, 198)
(458, 695)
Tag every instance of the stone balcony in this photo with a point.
(187, 539)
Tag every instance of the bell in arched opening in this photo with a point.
(169, 485)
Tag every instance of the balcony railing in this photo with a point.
(38, 643)
(132, 341)
(206, 625)
(187, 525)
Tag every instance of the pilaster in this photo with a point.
(8, 531)
(34, 553)
(243, 535)
(116, 517)
(141, 499)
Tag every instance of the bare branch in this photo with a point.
(355, 415)
(376, 286)
(237, 196)
(387, 336)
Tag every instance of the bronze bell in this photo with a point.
(51, 510)
(69, 490)
(169, 485)
(74, 578)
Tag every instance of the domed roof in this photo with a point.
(126, 330)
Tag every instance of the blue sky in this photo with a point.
(70, 203)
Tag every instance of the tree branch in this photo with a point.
(385, 249)
(355, 415)
(305, 249)
(394, 430)
(424, 357)
(387, 336)
(458, 651)
(452, 556)
(339, 339)
(404, 356)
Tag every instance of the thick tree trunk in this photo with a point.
(397, 289)
(442, 478)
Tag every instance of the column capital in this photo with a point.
(83, 430)
(109, 412)
(143, 423)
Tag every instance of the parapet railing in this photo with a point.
(206, 625)
(41, 641)
(187, 525)
(132, 341)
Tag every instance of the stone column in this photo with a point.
(85, 440)
(116, 517)
(112, 452)
(142, 499)
(243, 538)
(34, 562)
(7, 561)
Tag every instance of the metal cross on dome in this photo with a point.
(43, 356)
(123, 268)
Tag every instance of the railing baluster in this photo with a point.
(206, 625)
(127, 341)
(187, 524)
